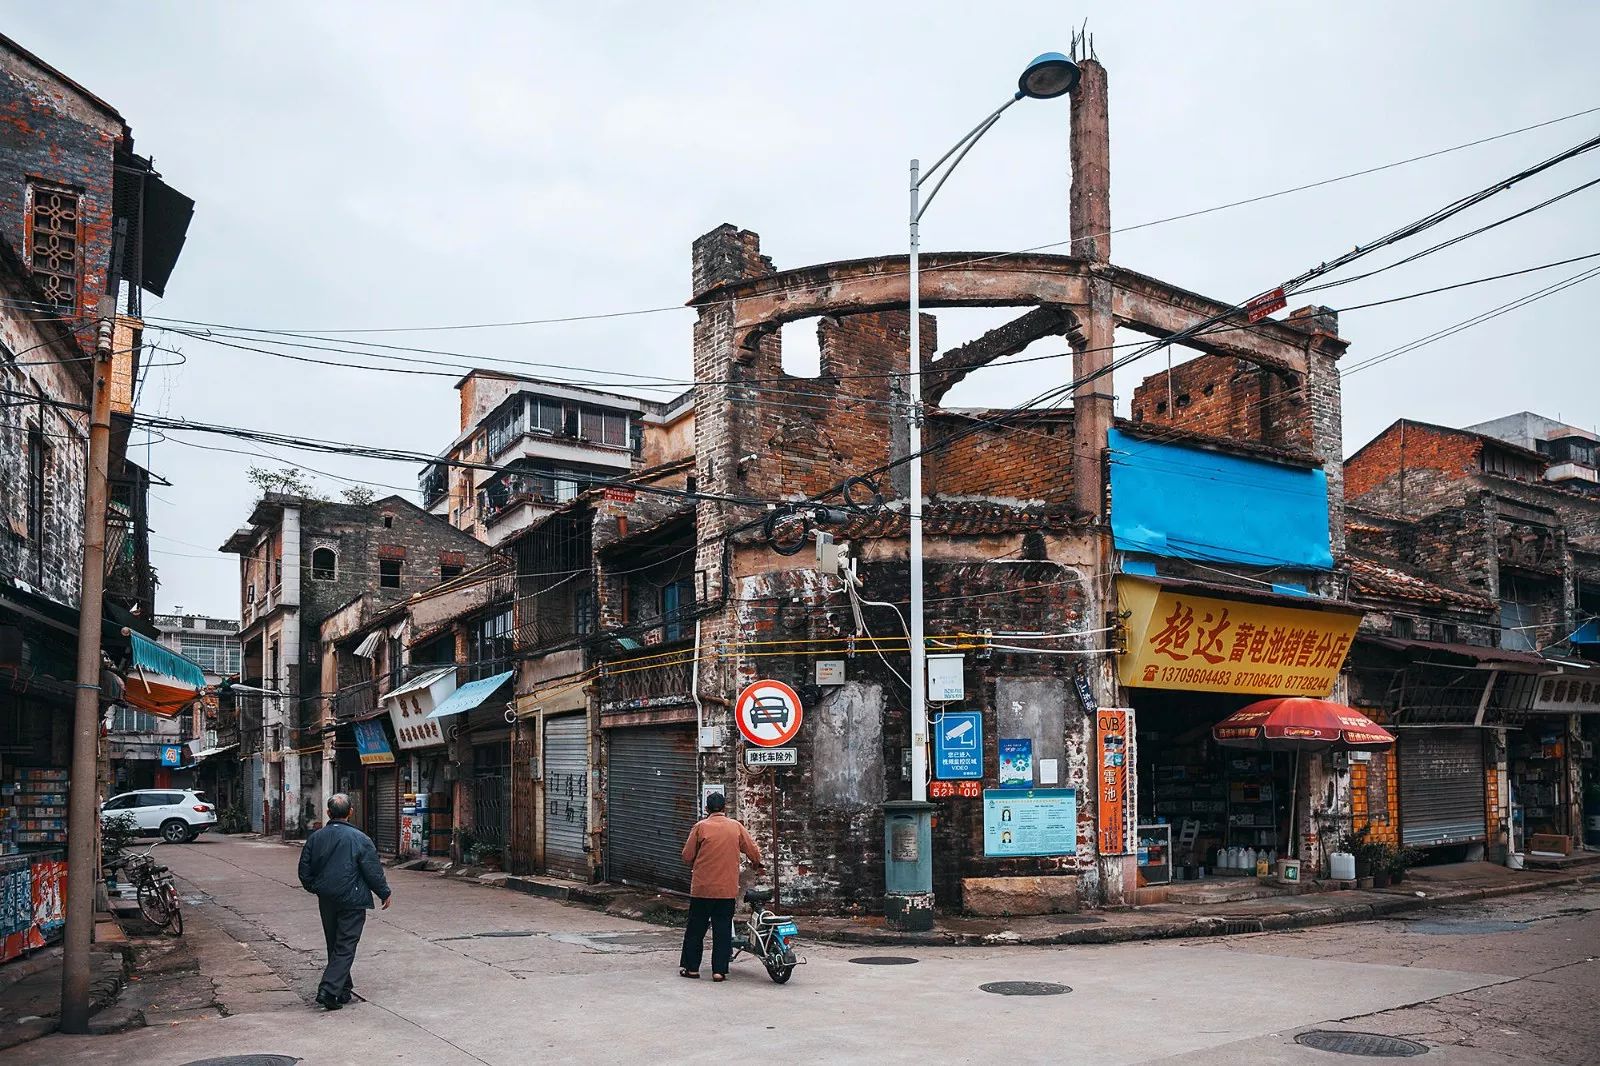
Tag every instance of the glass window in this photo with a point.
(545, 415)
(491, 644)
(604, 427)
(389, 573)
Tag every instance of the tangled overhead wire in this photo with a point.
(788, 528)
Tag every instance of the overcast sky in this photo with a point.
(403, 165)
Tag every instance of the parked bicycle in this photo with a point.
(769, 937)
(153, 887)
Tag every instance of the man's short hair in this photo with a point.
(716, 802)
(338, 805)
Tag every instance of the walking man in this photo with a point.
(340, 865)
(712, 853)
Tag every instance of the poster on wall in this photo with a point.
(373, 744)
(1114, 755)
(1016, 763)
(1030, 822)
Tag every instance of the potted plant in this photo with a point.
(1402, 860)
(1381, 859)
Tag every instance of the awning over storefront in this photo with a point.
(1216, 641)
(369, 647)
(471, 695)
(421, 681)
(1526, 662)
(159, 679)
(206, 753)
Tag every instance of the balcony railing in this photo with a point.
(355, 701)
(658, 676)
(434, 484)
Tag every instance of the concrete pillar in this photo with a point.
(1093, 403)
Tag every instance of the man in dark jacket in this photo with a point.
(340, 865)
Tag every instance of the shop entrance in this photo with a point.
(1226, 805)
(1538, 755)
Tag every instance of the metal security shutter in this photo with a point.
(385, 814)
(1442, 797)
(652, 787)
(566, 795)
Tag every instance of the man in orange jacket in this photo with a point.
(712, 852)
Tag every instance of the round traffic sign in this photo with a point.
(768, 713)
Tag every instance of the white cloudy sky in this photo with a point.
(383, 165)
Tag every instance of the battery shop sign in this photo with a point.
(1206, 644)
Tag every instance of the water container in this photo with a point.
(1343, 866)
(1249, 860)
(1230, 858)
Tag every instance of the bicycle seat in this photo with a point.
(757, 896)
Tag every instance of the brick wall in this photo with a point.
(1025, 461)
(52, 564)
(1436, 465)
(1219, 397)
(49, 132)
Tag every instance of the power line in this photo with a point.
(561, 319)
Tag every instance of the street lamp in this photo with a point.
(1047, 77)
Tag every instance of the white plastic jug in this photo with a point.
(1230, 858)
(1249, 860)
(1343, 866)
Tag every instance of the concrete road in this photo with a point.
(459, 973)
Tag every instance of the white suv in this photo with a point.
(176, 815)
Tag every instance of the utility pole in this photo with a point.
(83, 832)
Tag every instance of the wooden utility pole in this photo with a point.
(83, 830)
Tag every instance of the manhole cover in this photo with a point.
(1024, 988)
(883, 960)
(246, 1060)
(1464, 928)
(1372, 1045)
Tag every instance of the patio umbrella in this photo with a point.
(1300, 723)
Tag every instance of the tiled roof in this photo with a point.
(1375, 579)
(962, 519)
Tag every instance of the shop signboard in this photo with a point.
(1016, 763)
(171, 755)
(1035, 821)
(958, 746)
(372, 744)
(756, 758)
(1178, 640)
(1568, 694)
(1111, 742)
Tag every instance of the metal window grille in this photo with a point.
(53, 243)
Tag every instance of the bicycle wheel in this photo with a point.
(174, 912)
(153, 904)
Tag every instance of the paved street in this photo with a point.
(459, 973)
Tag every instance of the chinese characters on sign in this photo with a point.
(372, 744)
(1016, 763)
(1035, 821)
(1199, 643)
(412, 726)
(1111, 743)
(958, 745)
(949, 789)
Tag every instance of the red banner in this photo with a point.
(1113, 747)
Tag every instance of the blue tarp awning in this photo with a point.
(1588, 633)
(1183, 502)
(470, 695)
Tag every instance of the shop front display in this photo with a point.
(1196, 654)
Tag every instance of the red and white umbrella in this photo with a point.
(1300, 723)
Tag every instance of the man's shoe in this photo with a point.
(349, 994)
(327, 1003)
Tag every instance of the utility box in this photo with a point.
(908, 865)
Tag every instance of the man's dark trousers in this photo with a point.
(341, 928)
(718, 914)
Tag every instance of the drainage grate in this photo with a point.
(246, 1060)
(1463, 928)
(883, 960)
(1024, 988)
(1371, 1045)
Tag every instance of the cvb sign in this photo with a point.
(755, 758)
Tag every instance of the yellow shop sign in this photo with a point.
(1177, 640)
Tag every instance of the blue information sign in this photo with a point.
(958, 746)
(1035, 821)
(171, 755)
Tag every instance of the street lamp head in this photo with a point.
(1047, 77)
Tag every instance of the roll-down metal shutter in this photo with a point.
(566, 795)
(385, 813)
(1442, 796)
(652, 799)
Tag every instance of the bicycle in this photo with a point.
(769, 937)
(153, 887)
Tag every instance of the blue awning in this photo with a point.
(158, 659)
(470, 695)
(1588, 633)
